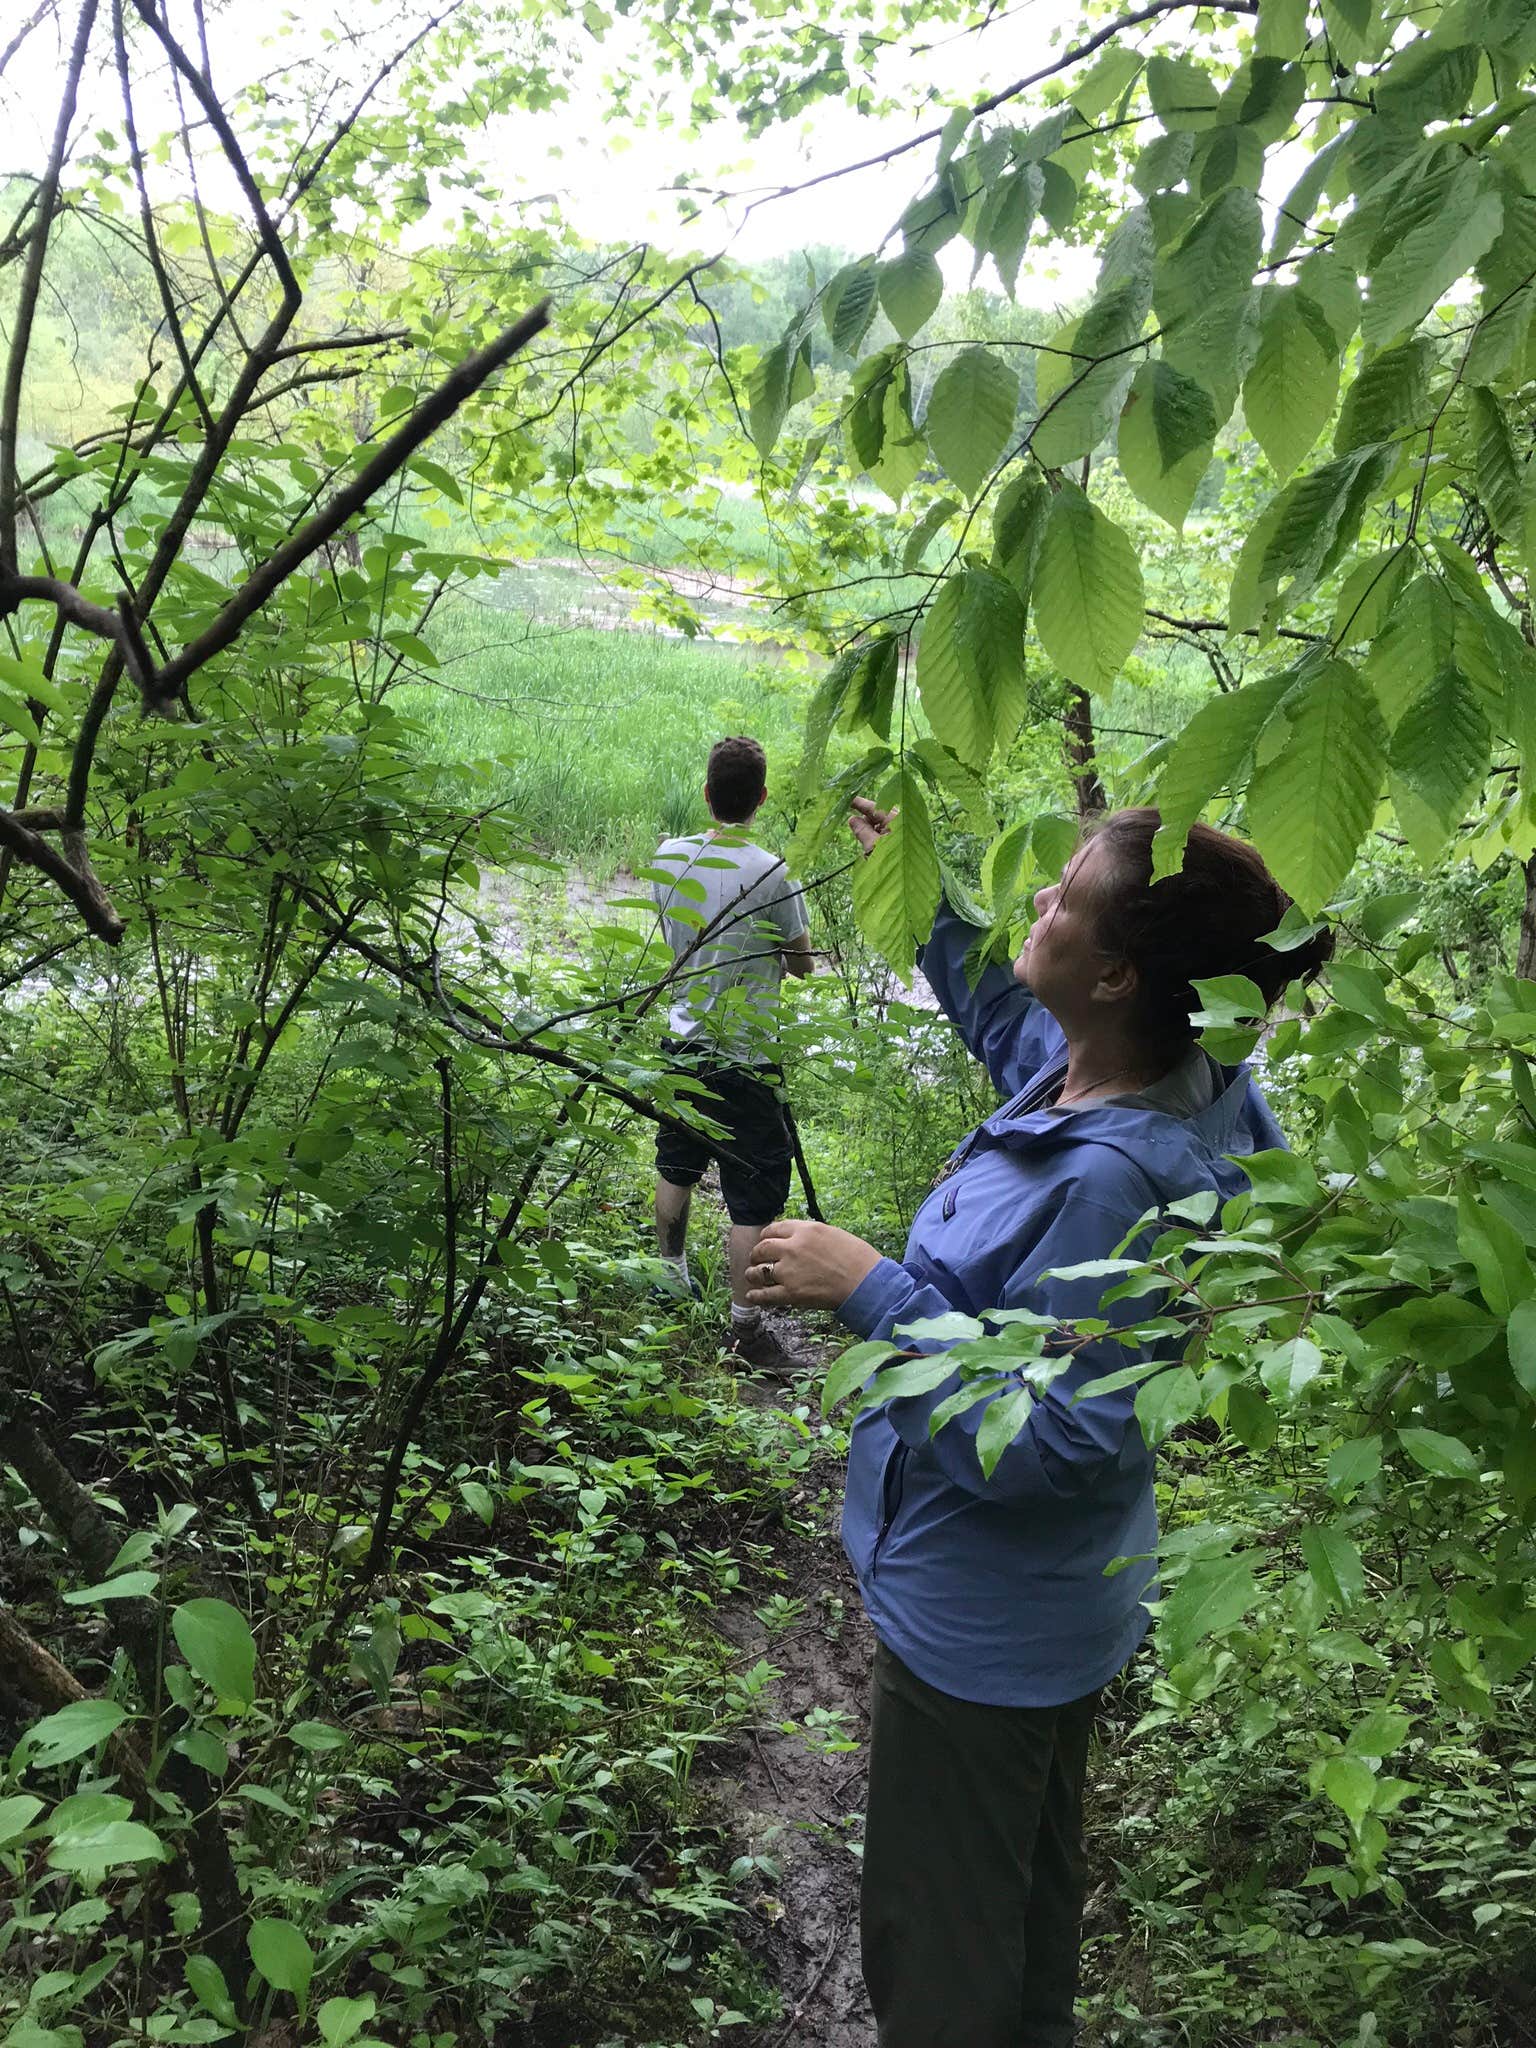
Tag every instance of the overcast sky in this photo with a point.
(612, 178)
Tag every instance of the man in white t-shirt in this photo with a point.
(736, 925)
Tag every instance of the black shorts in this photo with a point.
(754, 1158)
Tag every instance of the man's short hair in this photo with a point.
(737, 778)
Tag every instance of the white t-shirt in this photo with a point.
(727, 910)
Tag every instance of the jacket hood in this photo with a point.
(1173, 1152)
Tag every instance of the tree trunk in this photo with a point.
(1525, 959)
(1077, 720)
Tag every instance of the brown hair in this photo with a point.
(736, 779)
(1210, 918)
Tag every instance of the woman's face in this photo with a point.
(1061, 962)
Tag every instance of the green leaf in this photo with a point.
(921, 537)
(970, 665)
(1282, 30)
(1439, 760)
(1183, 96)
(1289, 393)
(1266, 93)
(126, 1586)
(1416, 643)
(283, 1958)
(1447, 1457)
(70, 1732)
(1226, 156)
(1165, 1401)
(1167, 431)
(1251, 1419)
(217, 1643)
(1367, 596)
(1428, 81)
(902, 449)
(17, 1814)
(1203, 295)
(94, 1844)
(871, 694)
(1520, 1336)
(820, 717)
(1164, 162)
(1290, 1368)
(1380, 1732)
(1311, 802)
(911, 286)
(1389, 398)
(1000, 1425)
(1106, 82)
(970, 416)
(896, 888)
(1008, 219)
(865, 423)
(768, 386)
(952, 778)
(1308, 529)
(848, 305)
(1431, 239)
(1330, 287)
(1214, 1594)
(1206, 756)
(1335, 1565)
(1500, 477)
(1019, 513)
(205, 1980)
(1076, 414)
(1351, 1784)
(315, 1737)
(1353, 1465)
(340, 2020)
(1494, 1248)
(851, 1370)
(1294, 215)
(1088, 600)
(479, 1499)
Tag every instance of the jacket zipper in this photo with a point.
(890, 1491)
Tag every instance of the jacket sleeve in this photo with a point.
(1008, 1031)
(1064, 1446)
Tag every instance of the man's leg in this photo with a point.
(738, 1256)
(754, 1183)
(672, 1206)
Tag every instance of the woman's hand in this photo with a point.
(807, 1265)
(867, 824)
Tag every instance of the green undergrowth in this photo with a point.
(498, 1829)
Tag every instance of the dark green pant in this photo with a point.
(974, 1870)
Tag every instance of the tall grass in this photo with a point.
(598, 740)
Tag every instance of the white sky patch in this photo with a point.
(615, 179)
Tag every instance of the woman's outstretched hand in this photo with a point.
(807, 1265)
(867, 824)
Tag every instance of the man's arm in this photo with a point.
(797, 956)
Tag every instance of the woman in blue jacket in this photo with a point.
(996, 1622)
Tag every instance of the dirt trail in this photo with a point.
(786, 1798)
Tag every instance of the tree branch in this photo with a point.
(31, 282)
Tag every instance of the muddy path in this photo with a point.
(791, 1787)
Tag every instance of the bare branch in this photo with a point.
(32, 277)
(460, 384)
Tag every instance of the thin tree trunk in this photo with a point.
(1525, 959)
(1077, 721)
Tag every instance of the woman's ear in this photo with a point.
(1117, 982)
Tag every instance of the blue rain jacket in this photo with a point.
(994, 1590)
